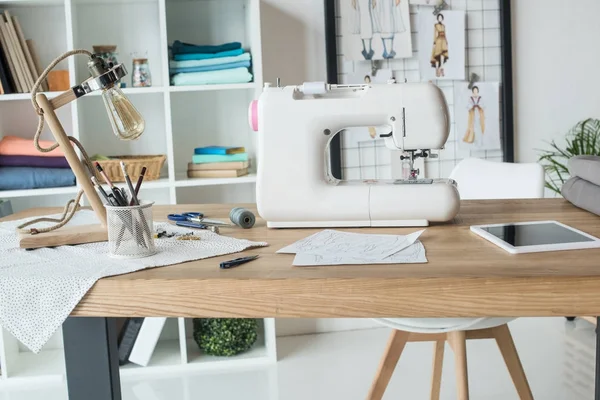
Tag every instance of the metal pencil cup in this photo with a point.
(130, 231)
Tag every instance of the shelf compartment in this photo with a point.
(205, 119)
(215, 22)
(97, 136)
(44, 23)
(132, 24)
(258, 355)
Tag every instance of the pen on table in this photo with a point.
(138, 184)
(236, 262)
(117, 194)
(101, 190)
(134, 200)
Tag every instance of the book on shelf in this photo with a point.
(215, 158)
(218, 166)
(215, 173)
(19, 65)
(6, 85)
(146, 340)
(127, 336)
(219, 150)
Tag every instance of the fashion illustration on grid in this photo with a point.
(476, 118)
(377, 16)
(439, 54)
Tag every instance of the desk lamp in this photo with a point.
(126, 123)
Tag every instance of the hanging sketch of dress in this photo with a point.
(390, 23)
(366, 24)
(476, 120)
(439, 54)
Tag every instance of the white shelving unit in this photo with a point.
(175, 353)
(178, 118)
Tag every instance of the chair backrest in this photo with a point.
(483, 179)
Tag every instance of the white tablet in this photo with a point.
(538, 236)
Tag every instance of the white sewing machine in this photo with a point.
(296, 124)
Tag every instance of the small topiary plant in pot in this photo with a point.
(225, 336)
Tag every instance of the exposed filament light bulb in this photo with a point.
(126, 121)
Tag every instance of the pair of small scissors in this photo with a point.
(186, 216)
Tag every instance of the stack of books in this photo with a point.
(19, 63)
(218, 162)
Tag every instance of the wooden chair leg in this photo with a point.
(390, 358)
(513, 363)
(438, 361)
(458, 342)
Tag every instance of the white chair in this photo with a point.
(477, 179)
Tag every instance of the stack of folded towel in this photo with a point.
(22, 166)
(205, 65)
(583, 188)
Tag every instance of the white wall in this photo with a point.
(293, 35)
(556, 63)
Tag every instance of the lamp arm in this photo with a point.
(36, 89)
(72, 205)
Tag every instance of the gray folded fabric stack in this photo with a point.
(583, 188)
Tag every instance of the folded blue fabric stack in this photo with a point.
(205, 65)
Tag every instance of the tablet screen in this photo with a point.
(535, 234)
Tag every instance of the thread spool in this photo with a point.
(242, 217)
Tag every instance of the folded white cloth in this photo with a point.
(40, 288)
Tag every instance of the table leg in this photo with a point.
(597, 383)
(91, 358)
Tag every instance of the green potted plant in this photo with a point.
(582, 139)
(225, 336)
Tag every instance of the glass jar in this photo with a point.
(141, 76)
(108, 53)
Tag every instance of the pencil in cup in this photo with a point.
(111, 200)
(134, 200)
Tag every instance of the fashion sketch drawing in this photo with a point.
(383, 17)
(476, 118)
(439, 54)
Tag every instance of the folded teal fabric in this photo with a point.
(13, 178)
(206, 56)
(187, 48)
(209, 61)
(217, 67)
(235, 75)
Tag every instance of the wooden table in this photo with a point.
(466, 276)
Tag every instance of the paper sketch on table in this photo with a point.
(477, 115)
(444, 34)
(330, 243)
(376, 29)
(412, 254)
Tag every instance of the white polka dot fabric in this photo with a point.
(40, 288)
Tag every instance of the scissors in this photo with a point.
(186, 216)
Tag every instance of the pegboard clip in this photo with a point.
(375, 65)
(442, 6)
(473, 78)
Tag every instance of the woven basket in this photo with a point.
(134, 165)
